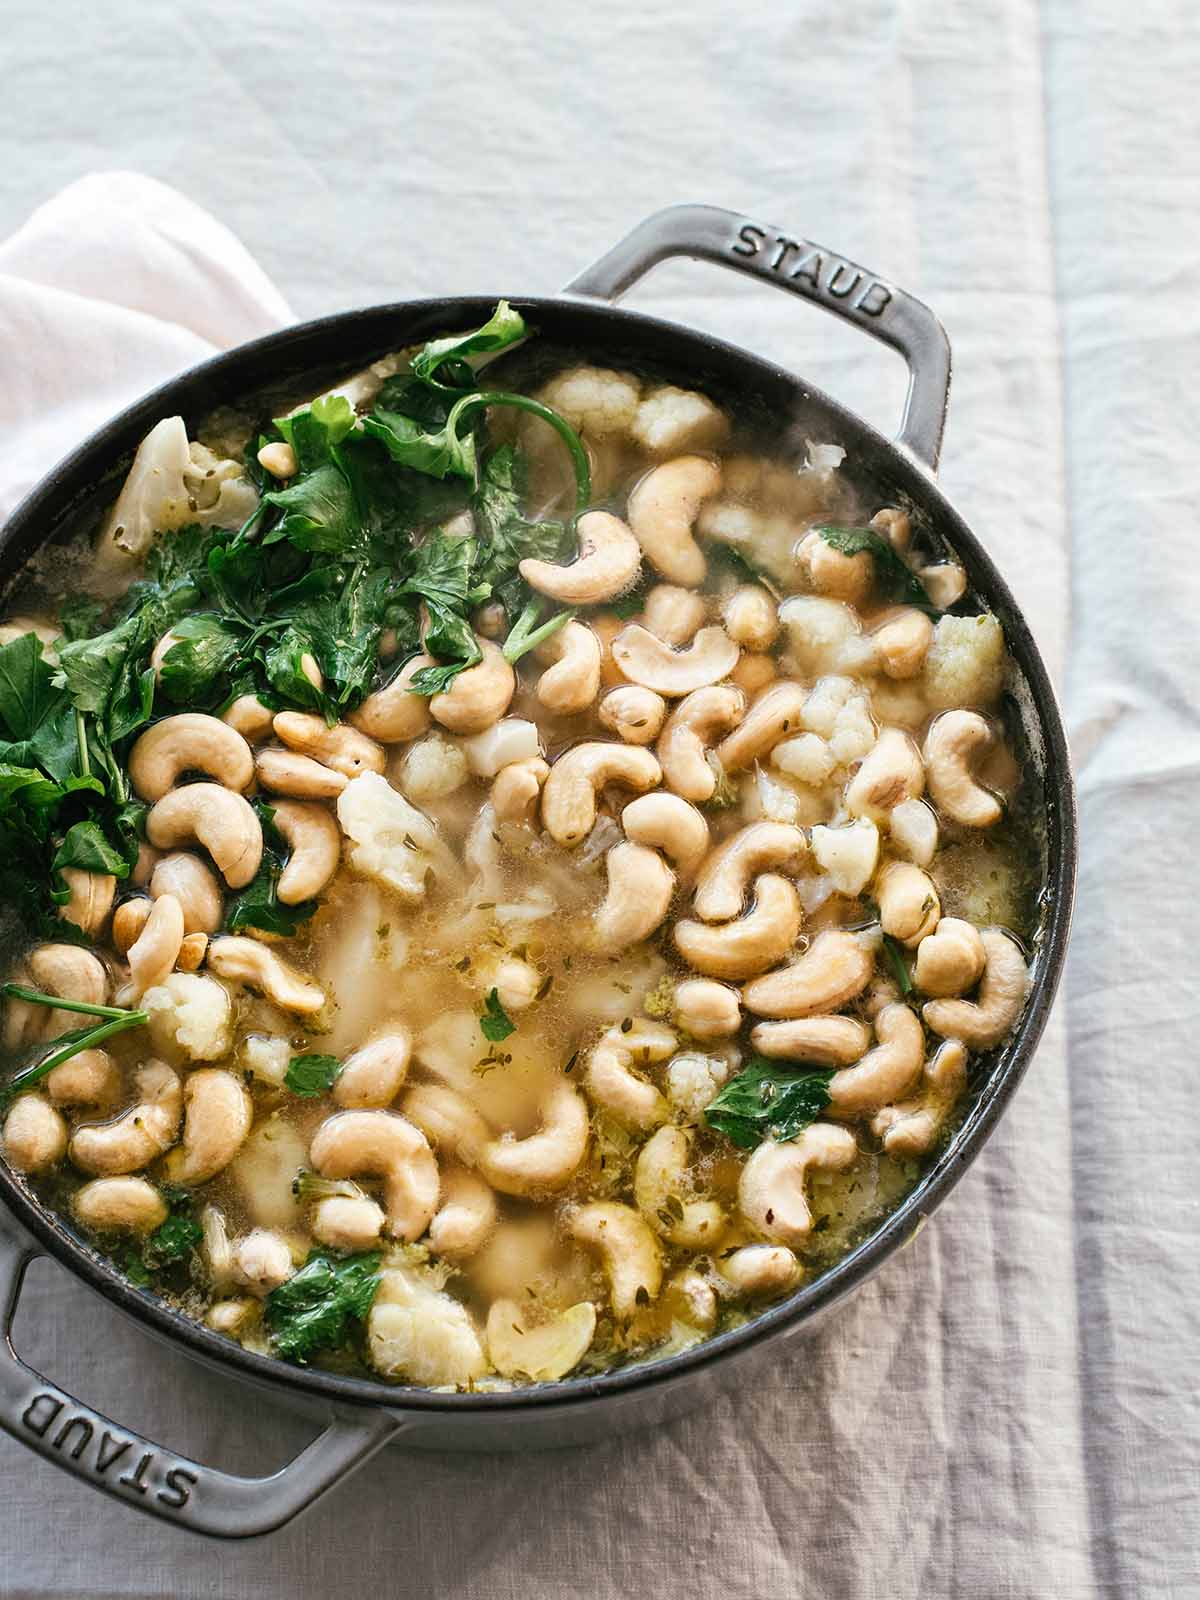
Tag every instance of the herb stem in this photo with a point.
(521, 402)
(81, 739)
(899, 969)
(18, 991)
(88, 1041)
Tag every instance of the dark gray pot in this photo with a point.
(362, 1416)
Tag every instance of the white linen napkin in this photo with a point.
(114, 285)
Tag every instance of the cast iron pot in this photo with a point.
(361, 1416)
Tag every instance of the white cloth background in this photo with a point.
(1010, 1407)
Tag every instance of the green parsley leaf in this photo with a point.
(173, 1240)
(767, 1100)
(495, 1024)
(505, 327)
(315, 1309)
(27, 691)
(311, 1075)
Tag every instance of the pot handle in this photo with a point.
(148, 1476)
(834, 282)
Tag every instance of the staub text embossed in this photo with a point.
(85, 1438)
(813, 270)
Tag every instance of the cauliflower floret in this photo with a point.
(965, 663)
(807, 757)
(853, 731)
(170, 484)
(729, 522)
(825, 635)
(899, 703)
(594, 400)
(821, 708)
(390, 840)
(780, 799)
(671, 420)
(849, 855)
(191, 1012)
(432, 768)
(511, 739)
(266, 1058)
(416, 1331)
(693, 1081)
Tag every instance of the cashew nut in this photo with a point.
(387, 1146)
(673, 614)
(140, 1134)
(910, 1127)
(129, 919)
(546, 1160)
(693, 726)
(891, 773)
(884, 1073)
(92, 1078)
(192, 951)
(189, 742)
(985, 1020)
(772, 1190)
(516, 788)
(119, 1205)
(342, 748)
(909, 907)
(945, 583)
(477, 697)
(725, 877)
(954, 739)
(573, 681)
(644, 658)
(761, 1270)
(771, 718)
(542, 1353)
(217, 1117)
(836, 967)
(630, 1252)
(827, 1041)
(348, 1222)
(662, 511)
(638, 897)
(569, 793)
(950, 961)
(833, 573)
(750, 617)
(465, 1217)
(695, 1299)
(634, 714)
(450, 1122)
(249, 962)
(278, 458)
(611, 1081)
(194, 884)
(262, 1261)
(316, 849)
(394, 712)
(248, 716)
(895, 525)
(607, 563)
(35, 1134)
(375, 1073)
(212, 816)
(92, 895)
(660, 1184)
(902, 642)
(155, 951)
(285, 772)
(753, 673)
(667, 823)
(707, 1009)
(69, 972)
(755, 941)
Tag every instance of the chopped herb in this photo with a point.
(545, 987)
(311, 1075)
(316, 1309)
(767, 1100)
(495, 1023)
(570, 1066)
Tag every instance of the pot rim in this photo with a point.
(93, 460)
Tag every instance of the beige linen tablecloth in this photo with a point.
(1010, 1407)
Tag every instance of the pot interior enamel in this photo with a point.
(308, 358)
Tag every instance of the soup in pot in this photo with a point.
(500, 882)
